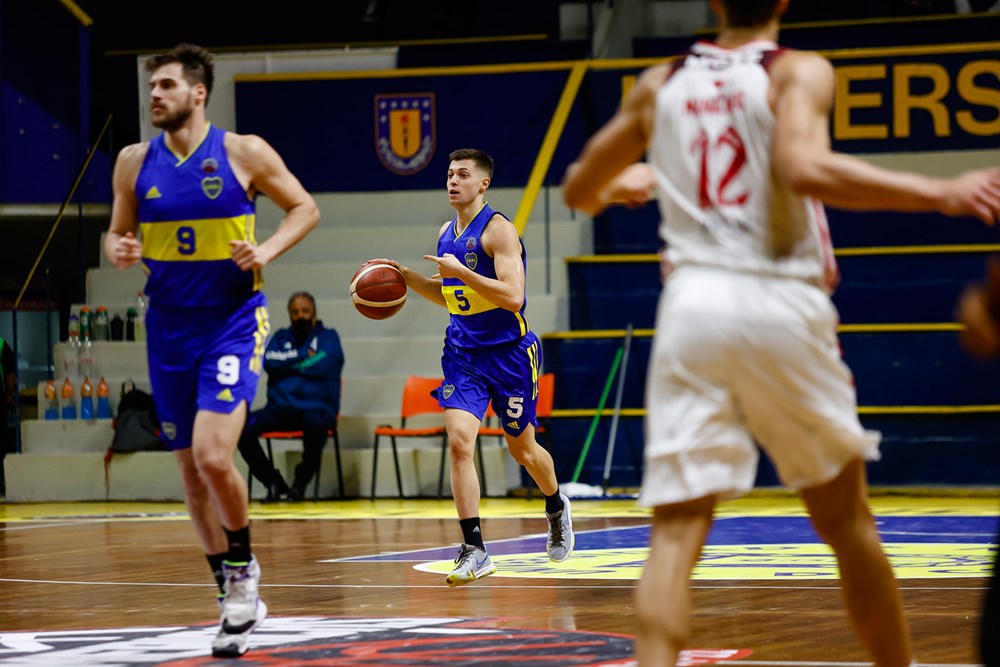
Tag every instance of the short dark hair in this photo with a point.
(749, 13)
(305, 295)
(481, 159)
(195, 62)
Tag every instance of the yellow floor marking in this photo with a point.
(949, 502)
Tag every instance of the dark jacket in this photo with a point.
(297, 380)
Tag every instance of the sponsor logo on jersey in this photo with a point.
(405, 135)
(209, 165)
(225, 395)
(153, 193)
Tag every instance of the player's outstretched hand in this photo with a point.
(448, 266)
(975, 193)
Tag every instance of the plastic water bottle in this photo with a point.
(140, 316)
(102, 325)
(71, 354)
(51, 401)
(85, 358)
(68, 404)
(103, 400)
(86, 399)
(86, 323)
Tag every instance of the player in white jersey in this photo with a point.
(746, 348)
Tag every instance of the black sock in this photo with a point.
(553, 503)
(215, 562)
(239, 545)
(471, 533)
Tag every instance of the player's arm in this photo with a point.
(266, 172)
(594, 180)
(120, 243)
(427, 287)
(801, 95)
(500, 241)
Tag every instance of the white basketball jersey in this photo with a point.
(720, 203)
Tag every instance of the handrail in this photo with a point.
(62, 209)
(548, 148)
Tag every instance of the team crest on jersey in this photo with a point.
(448, 390)
(471, 260)
(212, 186)
(209, 165)
(405, 135)
(169, 430)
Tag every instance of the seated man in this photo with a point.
(303, 365)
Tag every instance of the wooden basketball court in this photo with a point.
(362, 583)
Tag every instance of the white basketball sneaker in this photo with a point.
(242, 609)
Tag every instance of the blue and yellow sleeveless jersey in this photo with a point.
(475, 322)
(190, 208)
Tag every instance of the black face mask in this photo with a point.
(301, 329)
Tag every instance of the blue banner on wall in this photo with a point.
(327, 133)
(887, 100)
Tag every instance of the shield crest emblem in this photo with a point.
(448, 390)
(405, 135)
(471, 260)
(211, 186)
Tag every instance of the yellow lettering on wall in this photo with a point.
(845, 101)
(904, 100)
(628, 83)
(973, 94)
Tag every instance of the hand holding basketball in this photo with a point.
(378, 289)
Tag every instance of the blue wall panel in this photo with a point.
(326, 130)
(890, 369)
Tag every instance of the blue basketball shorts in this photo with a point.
(504, 374)
(203, 359)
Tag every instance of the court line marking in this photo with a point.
(482, 585)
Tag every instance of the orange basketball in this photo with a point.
(378, 290)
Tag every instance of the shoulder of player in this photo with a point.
(801, 66)
(132, 156)
(246, 148)
(497, 231)
(652, 78)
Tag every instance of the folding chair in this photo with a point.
(417, 400)
(543, 411)
(297, 435)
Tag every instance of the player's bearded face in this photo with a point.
(173, 119)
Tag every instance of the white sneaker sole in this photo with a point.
(226, 645)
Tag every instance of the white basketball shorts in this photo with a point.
(739, 358)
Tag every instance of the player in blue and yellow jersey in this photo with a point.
(490, 354)
(189, 194)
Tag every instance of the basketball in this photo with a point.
(378, 290)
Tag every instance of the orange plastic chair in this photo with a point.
(417, 400)
(543, 410)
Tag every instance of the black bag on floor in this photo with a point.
(136, 427)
